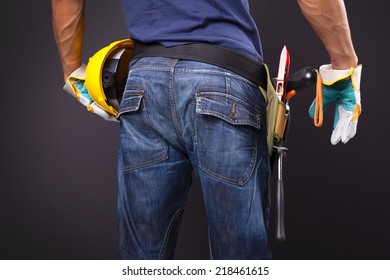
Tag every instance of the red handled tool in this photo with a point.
(283, 71)
(281, 87)
(286, 89)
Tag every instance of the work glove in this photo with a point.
(75, 86)
(343, 87)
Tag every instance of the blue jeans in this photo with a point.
(180, 118)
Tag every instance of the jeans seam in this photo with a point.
(163, 155)
(215, 72)
(169, 229)
(173, 103)
(210, 247)
(247, 174)
(256, 112)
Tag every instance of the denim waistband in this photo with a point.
(208, 53)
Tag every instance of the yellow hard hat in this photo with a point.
(106, 74)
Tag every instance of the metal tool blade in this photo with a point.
(280, 80)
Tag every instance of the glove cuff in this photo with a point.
(330, 76)
(78, 74)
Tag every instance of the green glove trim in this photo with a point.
(342, 87)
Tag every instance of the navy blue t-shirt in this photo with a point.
(227, 23)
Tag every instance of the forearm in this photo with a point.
(68, 28)
(328, 19)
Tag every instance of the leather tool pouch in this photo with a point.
(276, 114)
(280, 122)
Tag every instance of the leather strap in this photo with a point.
(208, 53)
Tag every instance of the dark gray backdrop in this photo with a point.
(58, 162)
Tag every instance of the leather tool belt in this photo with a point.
(208, 53)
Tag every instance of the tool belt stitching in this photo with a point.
(216, 55)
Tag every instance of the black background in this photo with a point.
(58, 162)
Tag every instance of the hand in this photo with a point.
(343, 87)
(75, 86)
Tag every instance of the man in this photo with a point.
(188, 108)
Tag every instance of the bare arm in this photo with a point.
(68, 27)
(328, 19)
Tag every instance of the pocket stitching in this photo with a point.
(244, 176)
(256, 113)
(139, 94)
